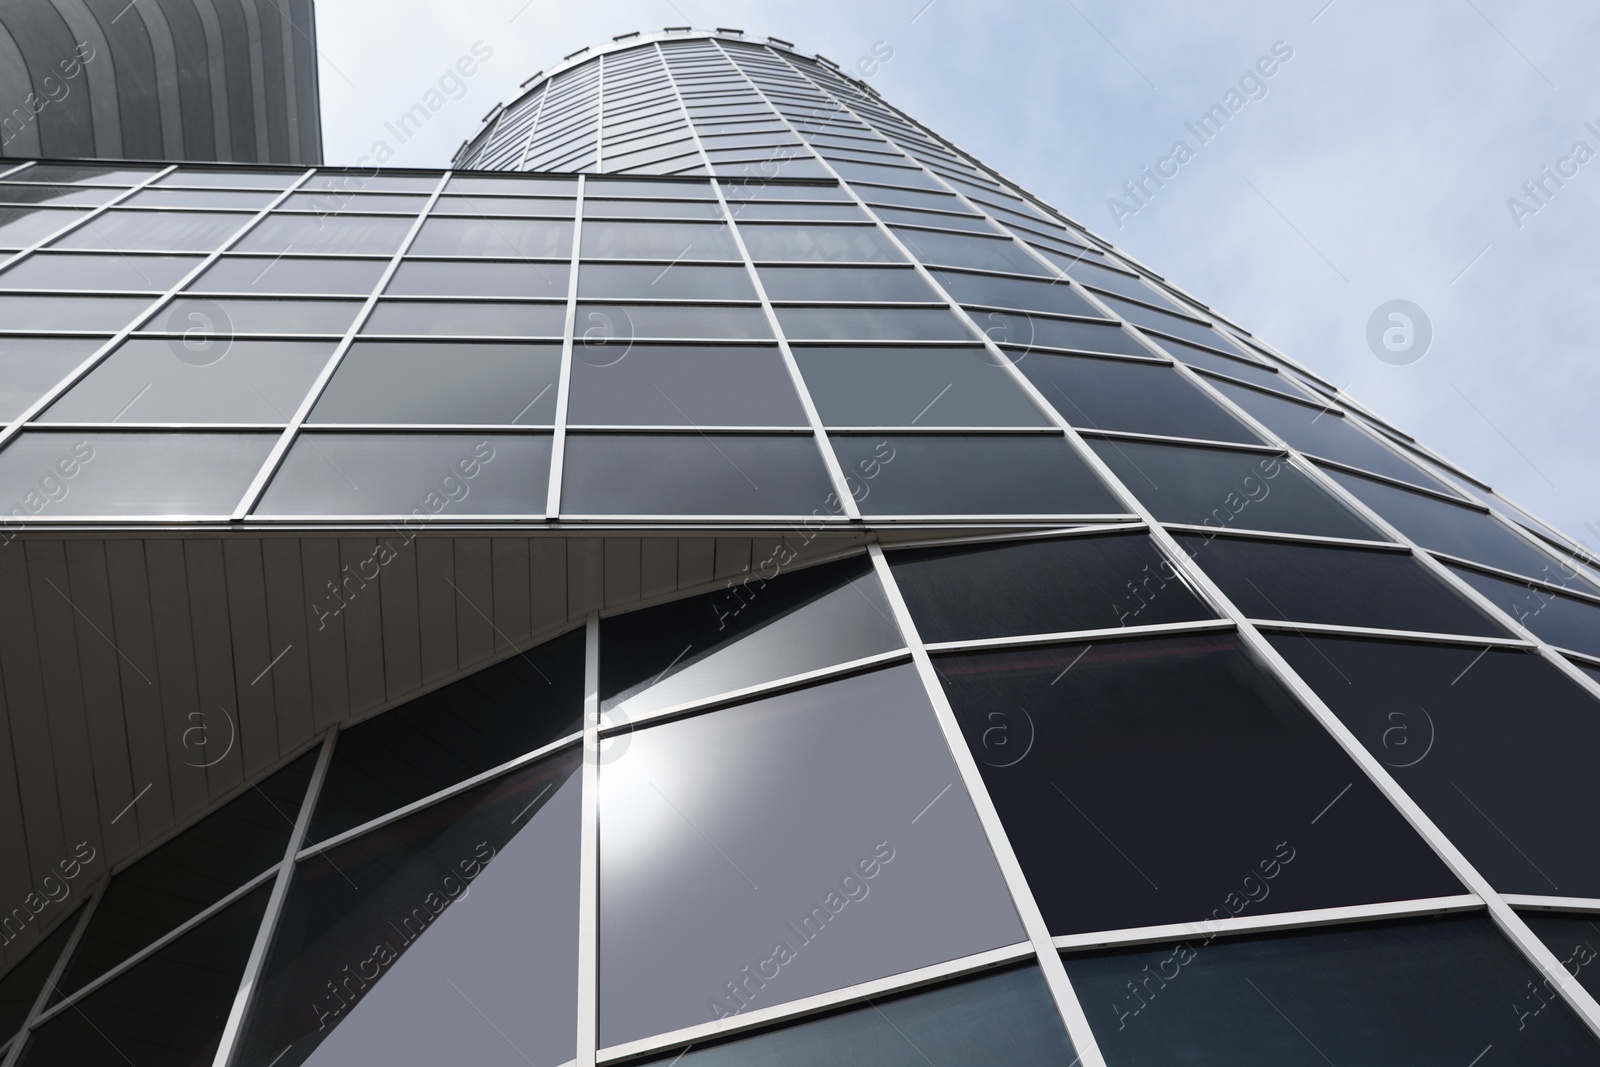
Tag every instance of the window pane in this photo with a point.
(874, 194)
(1560, 620)
(464, 729)
(652, 282)
(508, 184)
(870, 172)
(85, 174)
(1166, 322)
(966, 223)
(224, 318)
(1457, 530)
(680, 917)
(1041, 587)
(239, 178)
(504, 205)
(781, 191)
(634, 187)
(465, 319)
(1433, 992)
(22, 226)
(831, 244)
(107, 313)
(130, 272)
(334, 203)
(810, 211)
(1342, 586)
(1575, 940)
(494, 237)
(291, 274)
(658, 240)
(55, 195)
(22, 983)
(1015, 293)
(681, 385)
(612, 325)
(855, 324)
(1486, 780)
(670, 209)
(464, 912)
(165, 381)
(169, 1009)
(1002, 1018)
(1024, 332)
(96, 472)
(1245, 370)
(443, 384)
(32, 366)
(772, 626)
(420, 475)
(969, 250)
(970, 474)
(1231, 771)
(683, 474)
(202, 198)
(913, 386)
(1108, 394)
(846, 283)
(155, 231)
(1223, 489)
(468, 278)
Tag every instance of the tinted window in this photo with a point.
(1106, 394)
(1015, 293)
(200, 320)
(658, 240)
(444, 384)
(670, 282)
(422, 277)
(520, 238)
(926, 474)
(1561, 620)
(617, 324)
(90, 271)
(1166, 322)
(291, 274)
(682, 385)
(904, 386)
(1575, 940)
(693, 474)
(31, 366)
(845, 283)
(871, 324)
(1024, 332)
(969, 250)
(351, 234)
(96, 472)
(436, 318)
(108, 313)
(859, 244)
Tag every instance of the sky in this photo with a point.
(1385, 159)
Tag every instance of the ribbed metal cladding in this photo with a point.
(180, 80)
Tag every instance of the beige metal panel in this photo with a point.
(402, 633)
(512, 616)
(103, 712)
(585, 578)
(733, 556)
(547, 583)
(287, 618)
(148, 747)
(180, 695)
(658, 566)
(252, 651)
(621, 570)
(363, 622)
(56, 625)
(325, 600)
(696, 561)
(474, 589)
(436, 604)
(213, 664)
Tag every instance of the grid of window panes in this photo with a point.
(438, 847)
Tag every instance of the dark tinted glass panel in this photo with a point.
(653, 282)
(21, 985)
(1165, 322)
(1498, 787)
(1223, 489)
(1015, 293)
(1004, 1018)
(803, 857)
(693, 474)
(169, 1010)
(201, 320)
(859, 244)
(1324, 433)
(436, 318)
(614, 325)
(469, 278)
(90, 271)
(658, 240)
(93, 472)
(420, 475)
(1343, 586)
(195, 380)
(1105, 394)
(773, 625)
(1423, 993)
(458, 926)
(1575, 940)
(291, 274)
(845, 283)
(191, 872)
(680, 385)
(1254, 373)
(1458, 531)
(493, 237)
(108, 313)
(1023, 332)
(902, 474)
(871, 172)
(443, 384)
(913, 387)
(1560, 620)
(1244, 805)
(1102, 277)
(155, 231)
(31, 366)
(351, 234)
(1040, 587)
(466, 728)
(969, 250)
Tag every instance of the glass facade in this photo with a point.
(1179, 713)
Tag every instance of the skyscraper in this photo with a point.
(721, 576)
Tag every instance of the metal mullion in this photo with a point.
(588, 1020)
(275, 457)
(830, 460)
(1066, 637)
(9, 171)
(99, 355)
(1238, 533)
(87, 217)
(53, 978)
(1037, 533)
(1066, 1000)
(1575, 905)
(558, 442)
(1415, 636)
(1522, 579)
(533, 127)
(1466, 503)
(1094, 433)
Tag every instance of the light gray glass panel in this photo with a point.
(611, 325)
(660, 209)
(225, 318)
(852, 854)
(21, 226)
(494, 237)
(85, 174)
(846, 283)
(426, 317)
(970, 474)
(996, 291)
(633, 187)
(504, 205)
(99, 472)
(149, 380)
(830, 244)
(664, 282)
(291, 274)
(669, 241)
(913, 387)
(759, 191)
(682, 385)
(92, 271)
(238, 178)
(201, 198)
(31, 366)
(423, 475)
(966, 223)
(351, 234)
(528, 186)
(447, 384)
(107, 313)
(420, 277)
(332, 203)
(155, 231)
(367, 181)
(810, 211)
(969, 250)
(871, 324)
